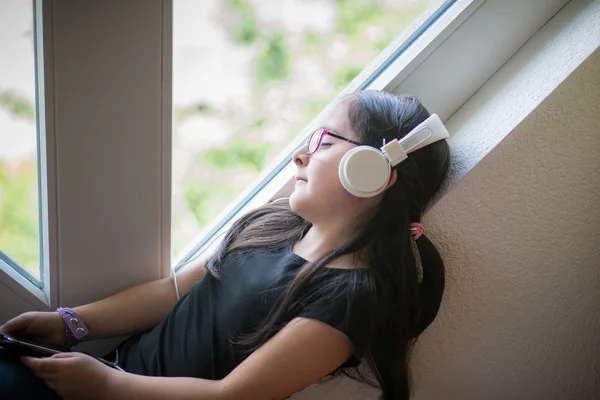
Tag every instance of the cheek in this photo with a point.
(323, 191)
(323, 186)
(325, 181)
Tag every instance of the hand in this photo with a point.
(43, 327)
(74, 375)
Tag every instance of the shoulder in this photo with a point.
(346, 301)
(241, 257)
(344, 284)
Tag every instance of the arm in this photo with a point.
(138, 308)
(301, 354)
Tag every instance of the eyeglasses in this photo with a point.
(316, 138)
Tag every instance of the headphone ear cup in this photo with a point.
(364, 171)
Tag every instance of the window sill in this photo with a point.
(518, 88)
(18, 285)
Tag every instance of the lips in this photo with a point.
(300, 179)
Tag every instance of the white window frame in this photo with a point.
(107, 197)
(108, 223)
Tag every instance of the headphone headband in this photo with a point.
(427, 132)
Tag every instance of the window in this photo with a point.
(105, 225)
(19, 144)
(248, 76)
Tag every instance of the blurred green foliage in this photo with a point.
(343, 76)
(273, 63)
(182, 113)
(206, 199)
(239, 153)
(19, 221)
(17, 105)
(355, 15)
(379, 45)
(243, 28)
(259, 122)
(313, 107)
(314, 41)
(19, 226)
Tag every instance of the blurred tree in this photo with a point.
(19, 228)
(259, 123)
(242, 26)
(17, 105)
(206, 199)
(273, 63)
(239, 153)
(183, 112)
(355, 15)
(343, 76)
(380, 44)
(312, 108)
(314, 42)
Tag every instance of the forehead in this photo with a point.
(335, 119)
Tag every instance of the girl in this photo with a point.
(298, 290)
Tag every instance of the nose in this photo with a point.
(299, 157)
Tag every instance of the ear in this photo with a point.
(392, 180)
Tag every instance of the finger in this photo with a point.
(64, 355)
(68, 357)
(31, 362)
(12, 326)
(6, 327)
(41, 365)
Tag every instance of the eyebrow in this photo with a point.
(334, 131)
(338, 136)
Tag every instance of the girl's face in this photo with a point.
(318, 193)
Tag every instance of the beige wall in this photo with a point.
(520, 234)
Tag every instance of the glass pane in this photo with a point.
(249, 75)
(19, 215)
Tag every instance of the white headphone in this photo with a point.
(364, 171)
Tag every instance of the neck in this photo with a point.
(320, 240)
(324, 238)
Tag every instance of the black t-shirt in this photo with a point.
(193, 340)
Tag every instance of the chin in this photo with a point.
(300, 204)
(294, 201)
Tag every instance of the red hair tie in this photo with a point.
(416, 229)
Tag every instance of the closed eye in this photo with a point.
(326, 144)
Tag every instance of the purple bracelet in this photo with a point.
(75, 329)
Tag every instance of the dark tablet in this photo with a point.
(21, 347)
(27, 347)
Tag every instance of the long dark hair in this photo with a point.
(406, 306)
